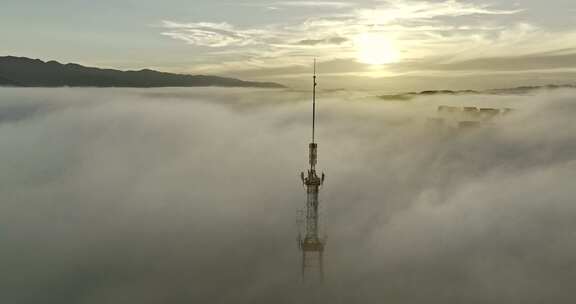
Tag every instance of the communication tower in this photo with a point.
(312, 245)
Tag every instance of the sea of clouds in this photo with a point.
(191, 195)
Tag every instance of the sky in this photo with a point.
(390, 45)
(191, 196)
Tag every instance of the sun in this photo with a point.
(376, 49)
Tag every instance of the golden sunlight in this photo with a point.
(376, 49)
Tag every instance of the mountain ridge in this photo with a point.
(28, 72)
(507, 91)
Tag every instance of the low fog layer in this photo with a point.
(190, 196)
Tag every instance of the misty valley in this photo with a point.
(191, 195)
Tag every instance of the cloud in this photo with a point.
(331, 40)
(313, 4)
(442, 32)
(389, 15)
(209, 34)
(173, 195)
(510, 63)
(393, 10)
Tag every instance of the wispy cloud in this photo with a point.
(292, 5)
(445, 32)
(328, 4)
(325, 41)
(332, 28)
(209, 34)
(392, 10)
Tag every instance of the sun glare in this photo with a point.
(376, 49)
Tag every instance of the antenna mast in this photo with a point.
(314, 104)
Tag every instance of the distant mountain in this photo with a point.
(7, 82)
(26, 72)
(509, 91)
